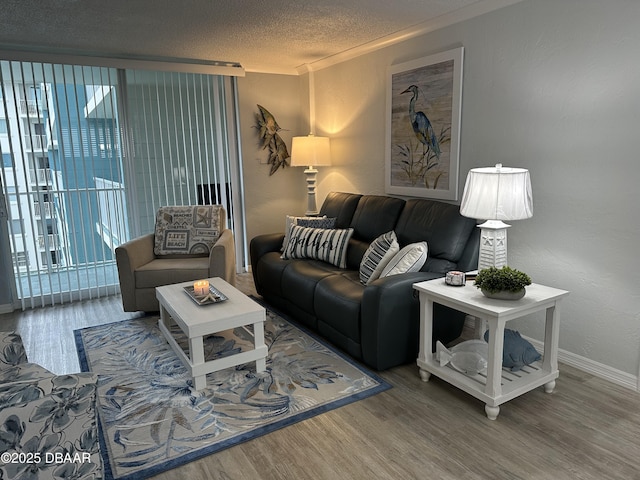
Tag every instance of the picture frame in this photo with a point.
(424, 104)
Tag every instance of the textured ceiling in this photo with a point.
(270, 36)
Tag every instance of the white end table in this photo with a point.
(196, 321)
(498, 386)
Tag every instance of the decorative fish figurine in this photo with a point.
(268, 130)
(517, 352)
(468, 357)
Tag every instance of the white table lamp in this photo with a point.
(495, 194)
(310, 152)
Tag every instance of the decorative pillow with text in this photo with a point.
(316, 222)
(187, 230)
(328, 245)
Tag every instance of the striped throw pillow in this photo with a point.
(381, 250)
(328, 245)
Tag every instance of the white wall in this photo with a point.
(550, 86)
(553, 87)
(269, 198)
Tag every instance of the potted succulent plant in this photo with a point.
(503, 283)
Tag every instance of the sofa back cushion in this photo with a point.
(340, 206)
(441, 226)
(374, 216)
(187, 230)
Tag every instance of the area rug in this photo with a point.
(152, 420)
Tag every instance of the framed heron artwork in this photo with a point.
(424, 100)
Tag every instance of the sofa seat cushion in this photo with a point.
(171, 270)
(337, 303)
(300, 278)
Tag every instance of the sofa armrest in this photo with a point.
(222, 258)
(129, 257)
(135, 253)
(12, 350)
(269, 242)
(260, 246)
(391, 320)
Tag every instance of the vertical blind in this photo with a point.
(180, 152)
(90, 153)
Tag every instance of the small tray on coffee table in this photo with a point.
(214, 296)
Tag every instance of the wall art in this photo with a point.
(424, 99)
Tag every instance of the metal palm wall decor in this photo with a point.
(268, 130)
(423, 126)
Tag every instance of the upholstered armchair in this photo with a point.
(189, 243)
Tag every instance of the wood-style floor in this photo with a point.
(587, 429)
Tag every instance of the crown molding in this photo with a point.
(474, 10)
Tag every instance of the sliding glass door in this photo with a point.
(90, 153)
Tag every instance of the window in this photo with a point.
(3, 126)
(20, 260)
(82, 188)
(16, 227)
(7, 160)
(11, 193)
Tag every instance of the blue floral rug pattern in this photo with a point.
(152, 419)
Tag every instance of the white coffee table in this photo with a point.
(197, 321)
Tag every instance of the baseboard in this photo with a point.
(6, 308)
(605, 372)
(596, 369)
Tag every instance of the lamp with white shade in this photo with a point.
(495, 194)
(310, 152)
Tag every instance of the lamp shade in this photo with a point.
(497, 193)
(310, 151)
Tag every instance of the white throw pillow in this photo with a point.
(381, 250)
(410, 259)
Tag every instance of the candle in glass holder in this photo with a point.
(201, 288)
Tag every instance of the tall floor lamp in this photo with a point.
(310, 152)
(495, 194)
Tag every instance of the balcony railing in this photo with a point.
(30, 108)
(41, 176)
(48, 242)
(43, 209)
(35, 143)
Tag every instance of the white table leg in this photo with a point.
(551, 333)
(425, 354)
(548, 387)
(258, 341)
(196, 353)
(480, 325)
(492, 412)
(494, 364)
